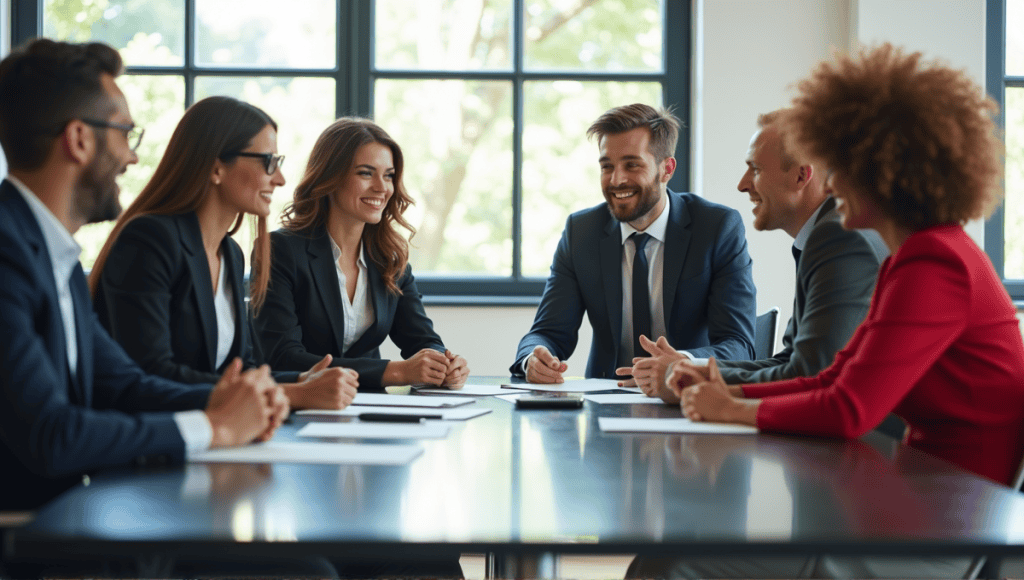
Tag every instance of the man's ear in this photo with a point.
(668, 168)
(78, 142)
(804, 174)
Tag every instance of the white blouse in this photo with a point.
(225, 307)
(357, 313)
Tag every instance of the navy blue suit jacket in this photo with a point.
(303, 317)
(708, 286)
(155, 298)
(54, 427)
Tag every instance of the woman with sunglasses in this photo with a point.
(341, 282)
(168, 283)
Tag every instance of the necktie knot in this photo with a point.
(640, 241)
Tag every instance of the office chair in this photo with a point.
(766, 328)
(982, 566)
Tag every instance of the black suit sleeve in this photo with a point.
(50, 435)
(560, 313)
(137, 293)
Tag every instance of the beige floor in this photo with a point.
(570, 566)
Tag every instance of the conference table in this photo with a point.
(525, 485)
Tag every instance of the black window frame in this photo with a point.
(996, 81)
(355, 75)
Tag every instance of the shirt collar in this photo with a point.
(64, 250)
(336, 252)
(805, 232)
(656, 230)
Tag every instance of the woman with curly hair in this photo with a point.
(914, 155)
(340, 281)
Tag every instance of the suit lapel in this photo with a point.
(43, 266)
(677, 241)
(83, 328)
(325, 274)
(610, 251)
(199, 267)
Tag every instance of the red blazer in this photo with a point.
(940, 347)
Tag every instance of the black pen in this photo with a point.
(395, 418)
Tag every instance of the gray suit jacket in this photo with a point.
(835, 279)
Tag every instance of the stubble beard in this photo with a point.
(96, 193)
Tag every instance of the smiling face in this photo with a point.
(242, 184)
(97, 190)
(774, 190)
(368, 187)
(634, 182)
(858, 210)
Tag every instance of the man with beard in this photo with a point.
(690, 282)
(74, 402)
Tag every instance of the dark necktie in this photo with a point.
(641, 294)
(796, 254)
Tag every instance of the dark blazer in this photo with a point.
(302, 318)
(708, 287)
(54, 427)
(155, 298)
(835, 279)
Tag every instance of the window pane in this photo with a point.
(266, 33)
(443, 34)
(150, 33)
(1013, 226)
(611, 35)
(1014, 38)
(156, 104)
(560, 170)
(302, 108)
(455, 136)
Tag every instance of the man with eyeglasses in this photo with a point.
(73, 401)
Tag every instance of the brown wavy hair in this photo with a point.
(662, 124)
(211, 129)
(328, 167)
(915, 136)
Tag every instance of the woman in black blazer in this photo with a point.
(340, 280)
(168, 283)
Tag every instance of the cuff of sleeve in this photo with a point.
(525, 362)
(196, 430)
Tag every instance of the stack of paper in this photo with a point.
(459, 414)
(358, 429)
(572, 386)
(631, 425)
(385, 400)
(472, 391)
(302, 452)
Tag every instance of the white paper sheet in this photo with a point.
(572, 386)
(624, 399)
(311, 452)
(384, 400)
(471, 391)
(375, 430)
(631, 425)
(446, 414)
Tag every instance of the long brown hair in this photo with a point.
(211, 129)
(328, 167)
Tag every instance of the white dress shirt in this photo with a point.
(224, 305)
(655, 251)
(357, 313)
(64, 252)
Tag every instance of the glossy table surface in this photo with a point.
(530, 481)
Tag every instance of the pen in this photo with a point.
(395, 418)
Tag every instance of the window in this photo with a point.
(1004, 232)
(489, 99)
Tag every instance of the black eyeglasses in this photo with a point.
(132, 133)
(271, 161)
